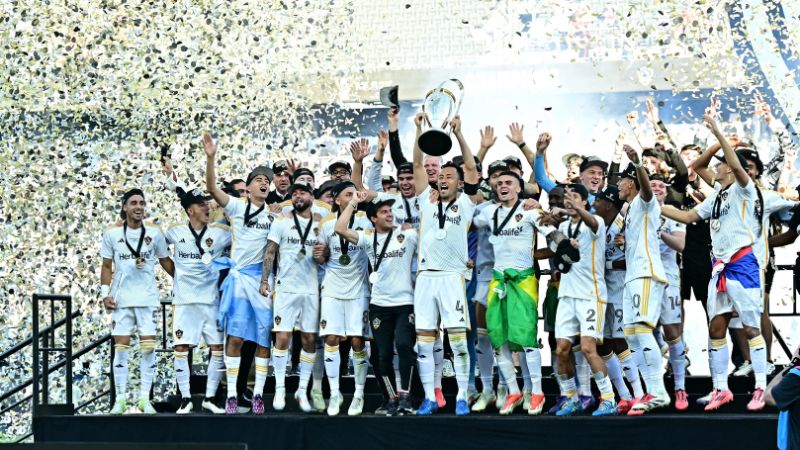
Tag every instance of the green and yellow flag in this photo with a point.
(512, 309)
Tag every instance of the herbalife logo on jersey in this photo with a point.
(258, 226)
(454, 220)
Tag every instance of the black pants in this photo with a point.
(393, 327)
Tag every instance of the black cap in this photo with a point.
(374, 206)
(232, 191)
(340, 187)
(301, 185)
(655, 153)
(389, 97)
(459, 160)
(580, 189)
(629, 172)
(566, 256)
(340, 163)
(135, 191)
(280, 166)
(260, 170)
(659, 177)
(193, 197)
(326, 186)
(513, 161)
(300, 172)
(592, 160)
(405, 167)
(387, 179)
(497, 166)
(611, 195)
(751, 155)
(741, 158)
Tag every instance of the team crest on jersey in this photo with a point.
(454, 208)
(323, 323)
(277, 320)
(179, 333)
(209, 242)
(147, 240)
(401, 238)
(518, 217)
(376, 323)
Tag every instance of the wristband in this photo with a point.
(353, 204)
(637, 166)
(104, 291)
(521, 144)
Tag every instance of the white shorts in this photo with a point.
(343, 317)
(748, 304)
(614, 326)
(141, 320)
(299, 311)
(579, 317)
(440, 295)
(641, 301)
(671, 305)
(481, 292)
(192, 322)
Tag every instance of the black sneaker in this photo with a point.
(391, 407)
(243, 404)
(186, 406)
(404, 406)
(383, 409)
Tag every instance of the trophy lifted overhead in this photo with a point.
(440, 106)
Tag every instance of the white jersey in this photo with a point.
(297, 274)
(484, 260)
(394, 286)
(669, 257)
(319, 209)
(403, 209)
(585, 279)
(132, 287)
(344, 282)
(449, 254)
(615, 278)
(729, 209)
(249, 239)
(642, 255)
(516, 240)
(195, 281)
(773, 203)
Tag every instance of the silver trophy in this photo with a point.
(440, 106)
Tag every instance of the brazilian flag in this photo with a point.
(512, 310)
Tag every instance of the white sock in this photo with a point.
(279, 360)
(306, 366)
(604, 386)
(651, 354)
(720, 356)
(526, 374)
(396, 365)
(485, 356)
(615, 375)
(711, 366)
(232, 372)
(458, 342)
(533, 362)
(361, 367)
(181, 361)
(438, 361)
(505, 363)
(262, 366)
(216, 365)
(677, 359)
(319, 367)
(425, 364)
(584, 373)
(631, 371)
(758, 357)
(567, 385)
(332, 363)
(147, 365)
(121, 354)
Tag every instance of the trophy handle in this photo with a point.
(460, 93)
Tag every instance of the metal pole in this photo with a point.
(113, 389)
(35, 342)
(69, 353)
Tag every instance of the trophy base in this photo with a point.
(435, 142)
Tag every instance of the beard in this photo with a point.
(301, 205)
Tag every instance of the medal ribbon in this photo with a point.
(379, 256)
(496, 230)
(248, 216)
(198, 238)
(304, 234)
(136, 253)
(343, 244)
(442, 213)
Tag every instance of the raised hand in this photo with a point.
(573, 200)
(419, 119)
(709, 122)
(713, 107)
(632, 154)
(652, 112)
(383, 139)
(543, 142)
(455, 124)
(209, 145)
(360, 149)
(633, 118)
(394, 119)
(487, 137)
(515, 131)
(434, 196)
(360, 196)
(291, 166)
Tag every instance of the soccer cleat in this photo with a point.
(640, 406)
(440, 401)
(427, 408)
(658, 401)
(720, 398)
(356, 406)
(383, 410)
(770, 368)
(536, 404)
(186, 406)
(606, 408)
(704, 400)
(317, 400)
(391, 407)
(512, 401)
(462, 408)
(146, 407)
(559, 402)
(526, 400)
(484, 400)
(757, 402)
(231, 406)
(570, 407)
(120, 406)
(681, 400)
(404, 405)
(623, 406)
(744, 370)
(335, 403)
(210, 406)
(472, 395)
(245, 401)
(447, 369)
(302, 401)
(500, 399)
(279, 401)
(258, 405)
(587, 403)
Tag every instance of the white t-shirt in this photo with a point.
(517, 239)
(484, 260)
(344, 282)
(195, 281)
(615, 278)
(249, 240)
(132, 287)
(402, 208)
(642, 255)
(394, 286)
(449, 254)
(669, 257)
(585, 279)
(295, 275)
(731, 229)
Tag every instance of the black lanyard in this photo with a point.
(304, 234)
(716, 210)
(442, 213)
(569, 230)
(379, 256)
(198, 237)
(408, 210)
(343, 244)
(496, 230)
(248, 216)
(136, 253)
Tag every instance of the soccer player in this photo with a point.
(439, 293)
(581, 301)
(296, 302)
(645, 279)
(344, 311)
(195, 301)
(319, 209)
(245, 314)
(512, 305)
(128, 288)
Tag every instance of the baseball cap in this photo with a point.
(135, 191)
(326, 186)
(496, 166)
(592, 160)
(280, 166)
(374, 206)
(193, 197)
(340, 187)
(567, 159)
(751, 155)
(659, 177)
(580, 189)
(459, 160)
(388, 179)
(742, 159)
(405, 167)
(629, 172)
(260, 170)
(302, 171)
(340, 163)
(301, 185)
(513, 161)
(611, 195)
(655, 153)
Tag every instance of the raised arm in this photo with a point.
(266, 268)
(487, 141)
(658, 125)
(616, 158)
(573, 200)
(341, 227)
(420, 177)
(359, 149)
(679, 215)
(645, 191)
(471, 175)
(395, 149)
(211, 172)
(731, 158)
